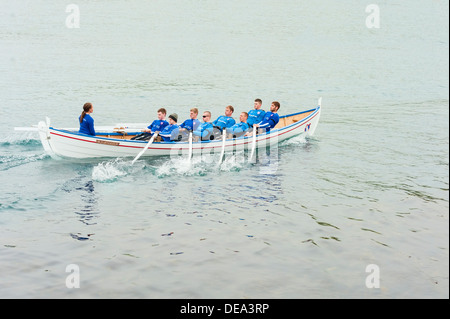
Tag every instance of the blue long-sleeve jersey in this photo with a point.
(170, 132)
(190, 124)
(238, 128)
(224, 121)
(255, 116)
(204, 130)
(269, 121)
(158, 125)
(87, 125)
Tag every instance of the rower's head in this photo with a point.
(275, 107)
(207, 116)
(258, 103)
(243, 117)
(162, 114)
(173, 118)
(193, 113)
(229, 110)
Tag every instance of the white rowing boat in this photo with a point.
(116, 141)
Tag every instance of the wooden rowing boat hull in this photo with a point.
(65, 143)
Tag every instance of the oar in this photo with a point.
(224, 138)
(34, 128)
(145, 148)
(253, 145)
(190, 146)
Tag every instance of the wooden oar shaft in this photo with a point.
(190, 145)
(224, 139)
(34, 128)
(250, 159)
(145, 148)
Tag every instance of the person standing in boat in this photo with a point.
(156, 126)
(171, 131)
(86, 120)
(191, 124)
(257, 114)
(205, 129)
(241, 128)
(270, 119)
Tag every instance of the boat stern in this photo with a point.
(44, 135)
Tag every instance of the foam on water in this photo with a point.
(109, 171)
(9, 161)
(21, 139)
(200, 165)
(113, 170)
(20, 148)
(296, 140)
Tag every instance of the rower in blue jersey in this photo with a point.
(86, 120)
(205, 129)
(271, 118)
(241, 128)
(171, 131)
(159, 124)
(190, 124)
(257, 114)
(225, 121)
(156, 126)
